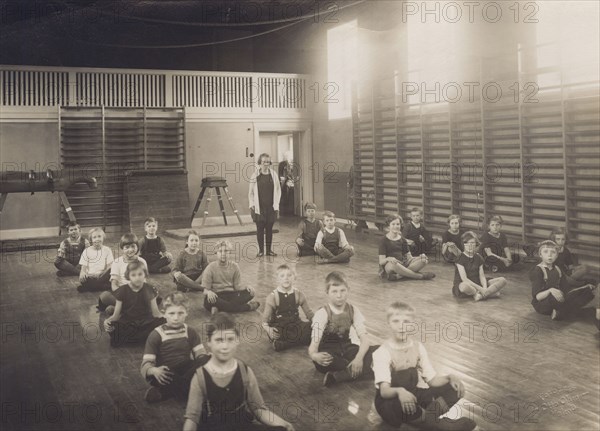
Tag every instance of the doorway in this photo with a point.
(289, 154)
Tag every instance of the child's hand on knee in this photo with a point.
(162, 374)
(356, 367)
(251, 290)
(273, 333)
(408, 401)
(324, 359)
(558, 295)
(108, 326)
(457, 385)
(211, 296)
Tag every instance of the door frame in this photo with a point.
(303, 130)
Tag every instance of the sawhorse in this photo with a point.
(216, 183)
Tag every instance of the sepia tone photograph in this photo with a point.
(304, 215)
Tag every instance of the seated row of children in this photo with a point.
(397, 262)
(493, 244)
(329, 242)
(322, 238)
(339, 344)
(223, 392)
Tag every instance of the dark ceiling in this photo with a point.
(253, 35)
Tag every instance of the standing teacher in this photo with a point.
(264, 195)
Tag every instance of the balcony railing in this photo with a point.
(31, 86)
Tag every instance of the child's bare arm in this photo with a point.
(301, 227)
(155, 311)
(387, 391)
(114, 284)
(482, 279)
(83, 274)
(306, 308)
(61, 250)
(116, 316)
(117, 313)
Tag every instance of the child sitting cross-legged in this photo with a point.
(222, 281)
(190, 264)
(452, 245)
(340, 346)
(70, 250)
(417, 235)
(129, 246)
(469, 278)
(224, 394)
(408, 389)
(395, 259)
(136, 312)
(309, 229)
(95, 264)
(153, 249)
(331, 244)
(173, 352)
(281, 318)
(494, 247)
(550, 288)
(565, 262)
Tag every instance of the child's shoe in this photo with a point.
(254, 305)
(392, 276)
(381, 273)
(100, 307)
(278, 346)
(329, 379)
(153, 395)
(460, 424)
(427, 275)
(322, 261)
(373, 417)
(477, 297)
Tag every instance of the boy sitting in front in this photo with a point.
(549, 287)
(70, 250)
(408, 388)
(281, 318)
(167, 363)
(418, 237)
(309, 229)
(331, 244)
(334, 347)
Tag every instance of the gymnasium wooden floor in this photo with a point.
(522, 371)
